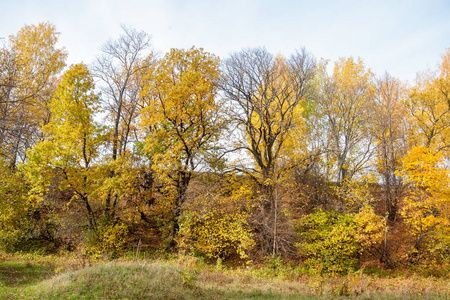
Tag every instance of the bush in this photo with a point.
(328, 242)
(216, 225)
(14, 210)
(108, 240)
(333, 243)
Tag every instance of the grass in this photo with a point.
(15, 276)
(155, 280)
(41, 277)
(19, 274)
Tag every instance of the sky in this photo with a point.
(395, 36)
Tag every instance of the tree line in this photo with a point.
(251, 156)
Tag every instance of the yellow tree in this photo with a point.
(426, 205)
(426, 208)
(182, 119)
(69, 152)
(30, 64)
(429, 105)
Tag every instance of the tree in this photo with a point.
(423, 169)
(426, 207)
(182, 119)
(120, 70)
(429, 105)
(390, 130)
(8, 74)
(69, 152)
(265, 94)
(344, 104)
(27, 80)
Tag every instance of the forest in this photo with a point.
(237, 159)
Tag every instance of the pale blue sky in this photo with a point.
(401, 37)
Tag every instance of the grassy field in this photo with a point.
(52, 277)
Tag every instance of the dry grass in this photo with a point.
(56, 277)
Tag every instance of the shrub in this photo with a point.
(14, 210)
(332, 243)
(108, 240)
(215, 225)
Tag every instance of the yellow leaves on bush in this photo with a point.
(13, 208)
(370, 227)
(108, 239)
(216, 225)
(333, 242)
(217, 235)
(327, 242)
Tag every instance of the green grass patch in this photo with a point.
(18, 274)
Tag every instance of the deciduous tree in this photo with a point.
(391, 130)
(182, 119)
(345, 105)
(265, 94)
(426, 208)
(120, 70)
(69, 153)
(30, 64)
(429, 104)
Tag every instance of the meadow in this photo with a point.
(32, 276)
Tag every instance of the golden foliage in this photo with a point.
(215, 223)
(69, 151)
(181, 116)
(427, 207)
